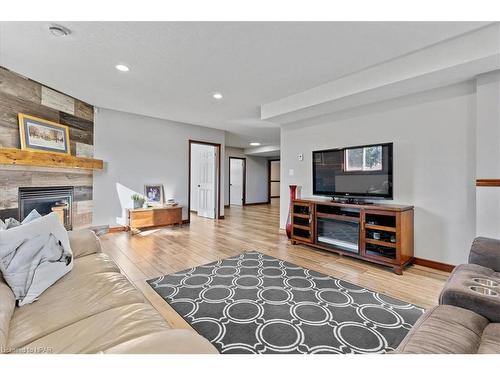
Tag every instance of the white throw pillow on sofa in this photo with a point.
(34, 256)
(33, 215)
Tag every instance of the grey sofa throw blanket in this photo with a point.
(34, 256)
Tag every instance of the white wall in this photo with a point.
(256, 176)
(138, 150)
(434, 161)
(488, 154)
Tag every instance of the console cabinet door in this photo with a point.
(302, 222)
(381, 236)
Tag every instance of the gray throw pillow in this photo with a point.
(34, 256)
(11, 223)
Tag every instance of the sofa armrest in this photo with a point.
(485, 252)
(84, 242)
(445, 330)
(172, 341)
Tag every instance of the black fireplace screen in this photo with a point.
(46, 200)
(339, 233)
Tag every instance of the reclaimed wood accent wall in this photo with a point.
(20, 94)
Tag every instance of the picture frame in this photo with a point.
(37, 134)
(154, 194)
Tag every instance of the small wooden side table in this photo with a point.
(140, 218)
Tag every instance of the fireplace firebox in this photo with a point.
(45, 200)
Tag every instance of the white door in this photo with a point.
(236, 182)
(275, 178)
(207, 172)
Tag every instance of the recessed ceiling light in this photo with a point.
(122, 68)
(254, 144)
(58, 30)
(217, 95)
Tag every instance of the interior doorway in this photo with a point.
(204, 179)
(237, 181)
(274, 179)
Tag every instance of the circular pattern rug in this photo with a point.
(254, 303)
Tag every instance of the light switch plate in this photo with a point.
(300, 157)
(291, 172)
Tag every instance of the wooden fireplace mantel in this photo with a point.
(14, 156)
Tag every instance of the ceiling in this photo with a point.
(175, 67)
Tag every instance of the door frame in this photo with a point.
(269, 179)
(244, 202)
(218, 165)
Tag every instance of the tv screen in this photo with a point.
(360, 171)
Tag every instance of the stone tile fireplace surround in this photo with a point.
(21, 95)
(14, 178)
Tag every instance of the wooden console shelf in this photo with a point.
(14, 156)
(381, 234)
(154, 217)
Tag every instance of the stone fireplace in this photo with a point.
(21, 185)
(47, 182)
(58, 199)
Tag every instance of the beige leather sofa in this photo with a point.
(465, 322)
(92, 309)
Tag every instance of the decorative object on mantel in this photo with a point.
(293, 195)
(43, 135)
(154, 195)
(138, 200)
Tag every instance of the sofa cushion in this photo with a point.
(90, 264)
(485, 252)
(7, 305)
(101, 331)
(84, 242)
(75, 297)
(447, 330)
(490, 341)
(173, 341)
(457, 291)
(95, 263)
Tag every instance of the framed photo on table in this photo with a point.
(38, 134)
(154, 194)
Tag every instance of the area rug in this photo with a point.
(254, 303)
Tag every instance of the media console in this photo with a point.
(380, 234)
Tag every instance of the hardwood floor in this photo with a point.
(163, 251)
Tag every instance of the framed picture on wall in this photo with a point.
(154, 194)
(43, 135)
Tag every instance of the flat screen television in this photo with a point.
(354, 172)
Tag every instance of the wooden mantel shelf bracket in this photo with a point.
(14, 156)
